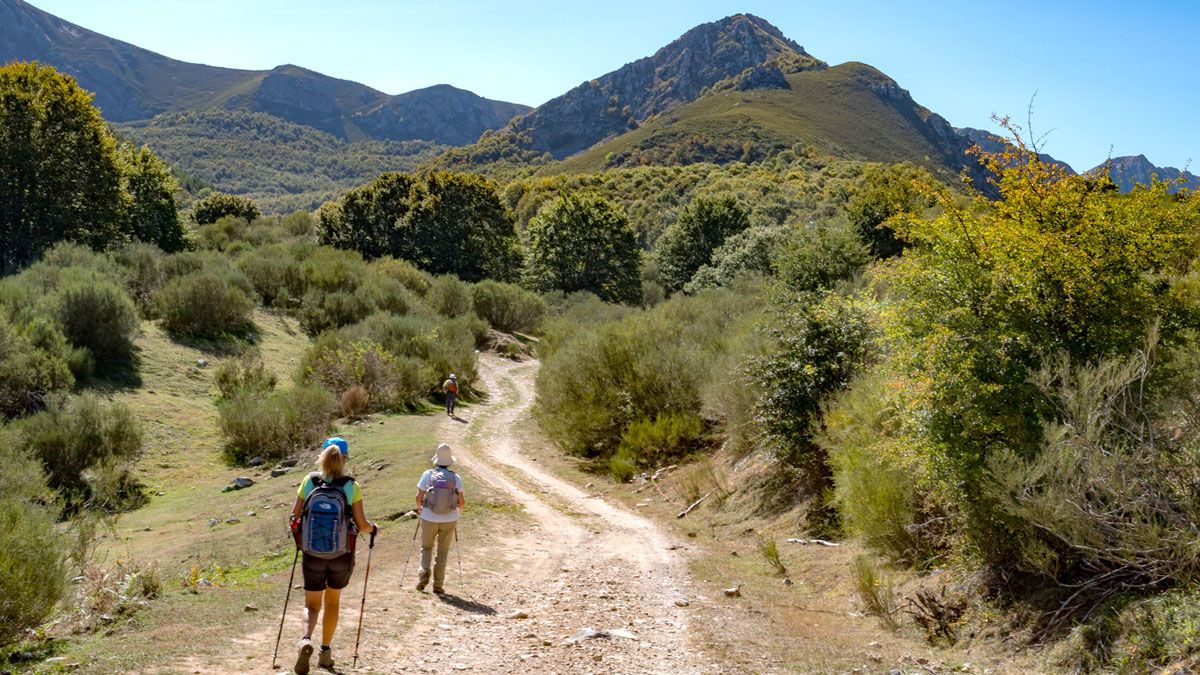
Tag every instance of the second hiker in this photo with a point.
(450, 388)
(439, 500)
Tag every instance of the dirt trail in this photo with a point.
(582, 563)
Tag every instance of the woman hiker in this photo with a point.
(324, 578)
(439, 500)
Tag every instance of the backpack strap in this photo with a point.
(316, 479)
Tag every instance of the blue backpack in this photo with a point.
(326, 524)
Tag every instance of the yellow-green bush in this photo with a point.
(277, 424)
(32, 552)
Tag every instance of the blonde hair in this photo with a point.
(331, 462)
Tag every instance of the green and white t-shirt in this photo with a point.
(353, 492)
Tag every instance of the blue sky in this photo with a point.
(1111, 77)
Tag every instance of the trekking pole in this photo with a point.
(459, 556)
(286, 600)
(363, 607)
(411, 547)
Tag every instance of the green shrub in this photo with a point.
(391, 382)
(276, 274)
(881, 486)
(97, 315)
(664, 438)
(205, 305)
(217, 206)
(324, 310)
(32, 553)
(816, 348)
(598, 379)
(449, 296)
(35, 361)
(623, 465)
(144, 266)
(413, 278)
(751, 253)
(278, 424)
(223, 234)
(246, 375)
(819, 258)
(75, 437)
(875, 591)
(506, 307)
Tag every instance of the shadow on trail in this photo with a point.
(466, 605)
(460, 420)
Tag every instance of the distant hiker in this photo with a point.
(439, 499)
(326, 518)
(450, 387)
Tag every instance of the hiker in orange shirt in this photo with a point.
(450, 387)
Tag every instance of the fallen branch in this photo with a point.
(654, 482)
(818, 542)
(696, 503)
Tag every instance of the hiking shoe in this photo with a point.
(306, 650)
(325, 660)
(439, 591)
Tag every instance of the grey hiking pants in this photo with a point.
(443, 535)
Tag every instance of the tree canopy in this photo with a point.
(63, 177)
(445, 223)
(59, 173)
(688, 244)
(218, 205)
(583, 243)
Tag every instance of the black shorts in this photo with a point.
(322, 573)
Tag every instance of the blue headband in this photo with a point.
(341, 444)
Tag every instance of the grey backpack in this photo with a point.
(442, 495)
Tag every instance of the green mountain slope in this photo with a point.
(283, 166)
(851, 111)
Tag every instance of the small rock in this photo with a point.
(519, 614)
(201, 363)
(288, 463)
(597, 657)
(204, 582)
(160, 493)
(213, 522)
(250, 608)
(682, 602)
(232, 521)
(622, 633)
(251, 514)
(383, 466)
(735, 592)
(242, 482)
(874, 645)
(788, 582)
(461, 666)
(588, 486)
(276, 473)
(257, 461)
(586, 634)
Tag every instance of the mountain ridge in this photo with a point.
(1131, 170)
(131, 83)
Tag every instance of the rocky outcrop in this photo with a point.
(1133, 170)
(991, 143)
(677, 73)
